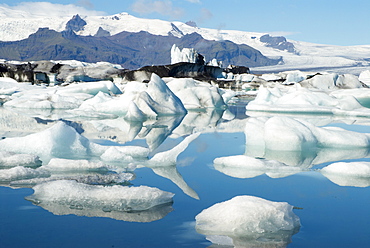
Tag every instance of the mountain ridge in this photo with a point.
(294, 54)
(131, 50)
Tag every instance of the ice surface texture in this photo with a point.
(297, 99)
(108, 198)
(249, 218)
(355, 174)
(288, 134)
(242, 166)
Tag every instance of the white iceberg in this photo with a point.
(288, 134)
(108, 198)
(125, 153)
(59, 164)
(96, 178)
(365, 77)
(11, 159)
(195, 94)
(59, 140)
(248, 219)
(297, 99)
(355, 174)
(139, 101)
(242, 166)
(20, 172)
(332, 81)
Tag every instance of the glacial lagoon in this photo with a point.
(333, 210)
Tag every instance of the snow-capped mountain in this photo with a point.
(18, 25)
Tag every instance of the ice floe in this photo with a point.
(195, 94)
(297, 99)
(59, 140)
(249, 221)
(116, 197)
(284, 133)
(20, 172)
(242, 166)
(355, 174)
(11, 159)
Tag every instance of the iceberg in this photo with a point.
(11, 159)
(365, 77)
(59, 164)
(96, 178)
(242, 166)
(355, 174)
(60, 141)
(20, 172)
(249, 220)
(288, 134)
(195, 94)
(138, 102)
(297, 99)
(107, 198)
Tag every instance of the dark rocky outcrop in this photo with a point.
(179, 70)
(20, 72)
(102, 33)
(75, 24)
(278, 42)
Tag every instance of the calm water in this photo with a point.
(331, 215)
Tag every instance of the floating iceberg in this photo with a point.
(249, 220)
(106, 198)
(195, 94)
(20, 172)
(11, 159)
(242, 166)
(96, 178)
(59, 140)
(297, 99)
(138, 102)
(355, 174)
(59, 164)
(288, 134)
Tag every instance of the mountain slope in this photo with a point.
(295, 54)
(131, 50)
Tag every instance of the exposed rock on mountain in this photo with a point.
(278, 42)
(131, 50)
(76, 23)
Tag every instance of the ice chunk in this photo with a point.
(138, 101)
(59, 140)
(365, 77)
(168, 102)
(195, 95)
(91, 88)
(300, 100)
(11, 159)
(288, 134)
(249, 219)
(348, 174)
(87, 178)
(59, 164)
(185, 55)
(242, 166)
(125, 153)
(109, 198)
(20, 172)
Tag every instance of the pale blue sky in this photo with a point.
(335, 22)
